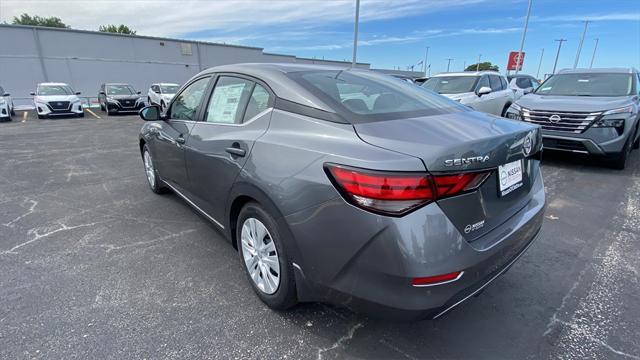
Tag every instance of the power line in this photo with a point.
(560, 41)
(584, 32)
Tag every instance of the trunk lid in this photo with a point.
(460, 142)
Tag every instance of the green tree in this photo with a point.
(483, 66)
(26, 19)
(118, 29)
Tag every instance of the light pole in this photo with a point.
(594, 53)
(524, 34)
(584, 32)
(464, 65)
(426, 56)
(355, 34)
(449, 63)
(478, 64)
(560, 41)
(540, 64)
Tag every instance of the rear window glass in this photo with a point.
(371, 96)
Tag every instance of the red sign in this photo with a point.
(514, 61)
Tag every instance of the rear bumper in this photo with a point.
(368, 265)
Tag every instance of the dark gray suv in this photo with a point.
(348, 186)
(591, 111)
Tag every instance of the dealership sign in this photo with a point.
(515, 61)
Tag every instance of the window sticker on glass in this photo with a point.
(225, 102)
(583, 80)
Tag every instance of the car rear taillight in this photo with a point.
(397, 193)
(437, 279)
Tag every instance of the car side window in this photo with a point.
(258, 102)
(229, 100)
(523, 83)
(484, 82)
(495, 83)
(1, 91)
(155, 89)
(186, 104)
(504, 83)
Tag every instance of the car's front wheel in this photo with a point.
(264, 257)
(504, 111)
(13, 110)
(150, 171)
(620, 160)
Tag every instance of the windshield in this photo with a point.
(54, 90)
(365, 96)
(169, 89)
(590, 84)
(120, 90)
(451, 84)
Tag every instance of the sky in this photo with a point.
(393, 33)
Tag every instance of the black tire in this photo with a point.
(636, 144)
(162, 105)
(156, 186)
(619, 162)
(42, 117)
(285, 295)
(81, 115)
(13, 111)
(149, 101)
(101, 107)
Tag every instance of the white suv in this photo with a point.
(161, 94)
(6, 105)
(53, 99)
(485, 91)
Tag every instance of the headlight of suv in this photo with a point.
(110, 99)
(625, 110)
(515, 107)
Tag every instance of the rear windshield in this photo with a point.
(451, 84)
(365, 96)
(120, 90)
(590, 84)
(47, 90)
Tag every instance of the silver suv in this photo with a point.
(590, 111)
(485, 91)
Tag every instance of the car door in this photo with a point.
(171, 134)
(482, 103)
(237, 113)
(498, 96)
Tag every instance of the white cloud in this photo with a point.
(175, 18)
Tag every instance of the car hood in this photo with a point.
(572, 103)
(458, 135)
(124, 97)
(48, 98)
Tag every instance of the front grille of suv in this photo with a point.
(59, 105)
(574, 122)
(128, 103)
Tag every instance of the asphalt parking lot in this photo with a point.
(94, 265)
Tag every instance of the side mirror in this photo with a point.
(77, 92)
(483, 91)
(138, 92)
(101, 93)
(32, 93)
(150, 113)
(6, 94)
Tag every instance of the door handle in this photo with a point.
(236, 150)
(180, 140)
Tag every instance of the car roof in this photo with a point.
(520, 76)
(53, 84)
(598, 70)
(173, 84)
(469, 73)
(275, 76)
(106, 84)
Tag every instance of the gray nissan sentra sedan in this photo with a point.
(348, 186)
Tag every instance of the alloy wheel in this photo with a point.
(260, 256)
(148, 168)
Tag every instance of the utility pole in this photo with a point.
(594, 53)
(540, 64)
(426, 56)
(355, 34)
(560, 41)
(524, 35)
(449, 63)
(584, 32)
(464, 65)
(478, 65)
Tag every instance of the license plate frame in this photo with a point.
(510, 177)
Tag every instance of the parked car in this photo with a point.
(117, 98)
(591, 111)
(6, 105)
(485, 91)
(348, 186)
(522, 84)
(57, 99)
(161, 94)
